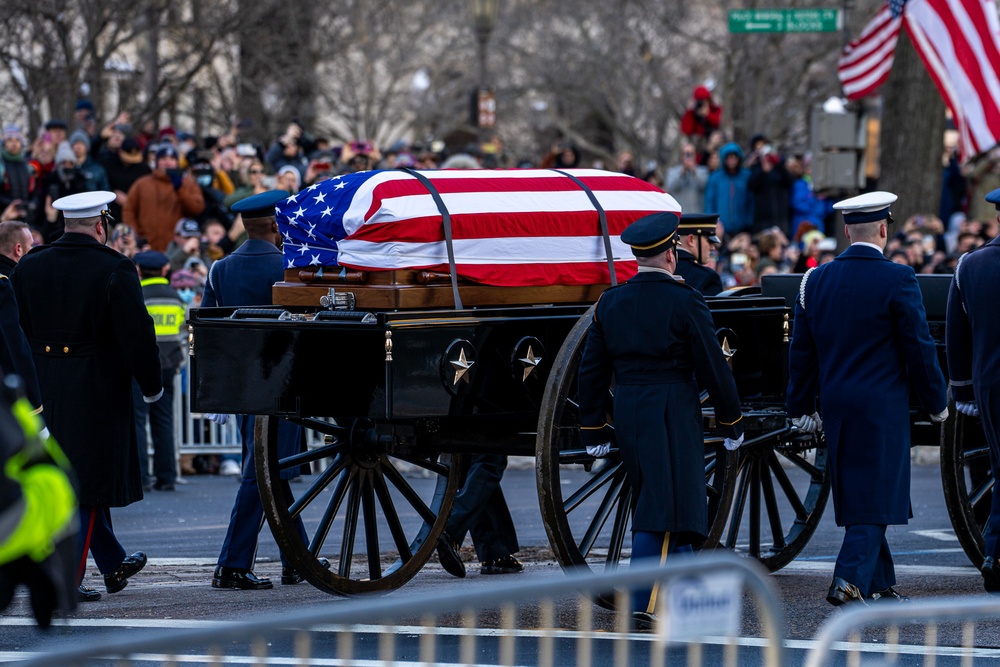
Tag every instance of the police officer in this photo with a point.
(656, 337)
(245, 278)
(38, 520)
(168, 313)
(972, 342)
(697, 240)
(83, 314)
(860, 337)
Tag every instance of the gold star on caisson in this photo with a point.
(728, 352)
(461, 366)
(530, 362)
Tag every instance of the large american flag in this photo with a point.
(510, 227)
(959, 44)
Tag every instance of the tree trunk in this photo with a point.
(913, 124)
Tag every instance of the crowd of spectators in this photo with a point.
(174, 190)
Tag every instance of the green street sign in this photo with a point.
(784, 20)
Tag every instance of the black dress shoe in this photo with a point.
(118, 579)
(889, 595)
(505, 565)
(231, 577)
(164, 486)
(84, 594)
(448, 556)
(290, 577)
(643, 620)
(842, 592)
(991, 575)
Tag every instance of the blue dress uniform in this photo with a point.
(972, 342)
(859, 340)
(691, 268)
(656, 337)
(245, 278)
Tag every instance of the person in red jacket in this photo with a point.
(701, 119)
(156, 202)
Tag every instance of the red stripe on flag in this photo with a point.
(495, 225)
(867, 61)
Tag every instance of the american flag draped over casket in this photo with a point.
(510, 227)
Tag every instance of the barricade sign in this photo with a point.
(704, 605)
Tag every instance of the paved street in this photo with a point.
(182, 531)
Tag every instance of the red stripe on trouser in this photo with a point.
(86, 546)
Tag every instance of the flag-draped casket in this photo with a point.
(527, 227)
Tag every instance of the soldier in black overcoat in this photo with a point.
(972, 342)
(860, 340)
(656, 337)
(83, 314)
(697, 239)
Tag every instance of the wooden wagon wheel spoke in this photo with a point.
(319, 537)
(972, 454)
(425, 512)
(432, 466)
(590, 487)
(771, 503)
(978, 494)
(754, 491)
(350, 528)
(740, 504)
(371, 525)
(622, 515)
(813, 471)
(317, 454)
(323, 426)
(612, 497)
(801, 513)
(391, 516)
(317, 486)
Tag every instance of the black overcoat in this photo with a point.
(83, 313)
(656, 336)
(698, 276)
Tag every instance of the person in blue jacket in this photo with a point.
(860, 339)
(655, 336)
(245, 278)
(972, 342)
(727, 192)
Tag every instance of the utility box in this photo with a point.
(835, 145)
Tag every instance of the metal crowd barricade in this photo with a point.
(533, 622)
(893, 630)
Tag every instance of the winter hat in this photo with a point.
(64, 153)
(79, 136)
(702, 93)
(84, 104)
(12, 131)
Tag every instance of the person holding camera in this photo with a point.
(65, 180)
(16, 180)
(701, 119)
(288, 150)
(156, 202)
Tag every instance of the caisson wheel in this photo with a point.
(967, 480)
(585, 503)
(370, 507)
(782, 489)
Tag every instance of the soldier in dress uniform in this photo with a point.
(83, 314)
(860, 337)
(245, 278)
(655, 335)
(972, 342)
(697, 240)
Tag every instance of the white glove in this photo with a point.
(44, 434)
(808, 423)
(968, 409)
(733, 445)
(941, 416)
(153, 399)
(599, 450)
(221, 420)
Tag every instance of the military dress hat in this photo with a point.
(259, 206)
(652, 234)
(702, 224)
(84, 204)
(994, 198)
(869, 207)
(151, 259)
